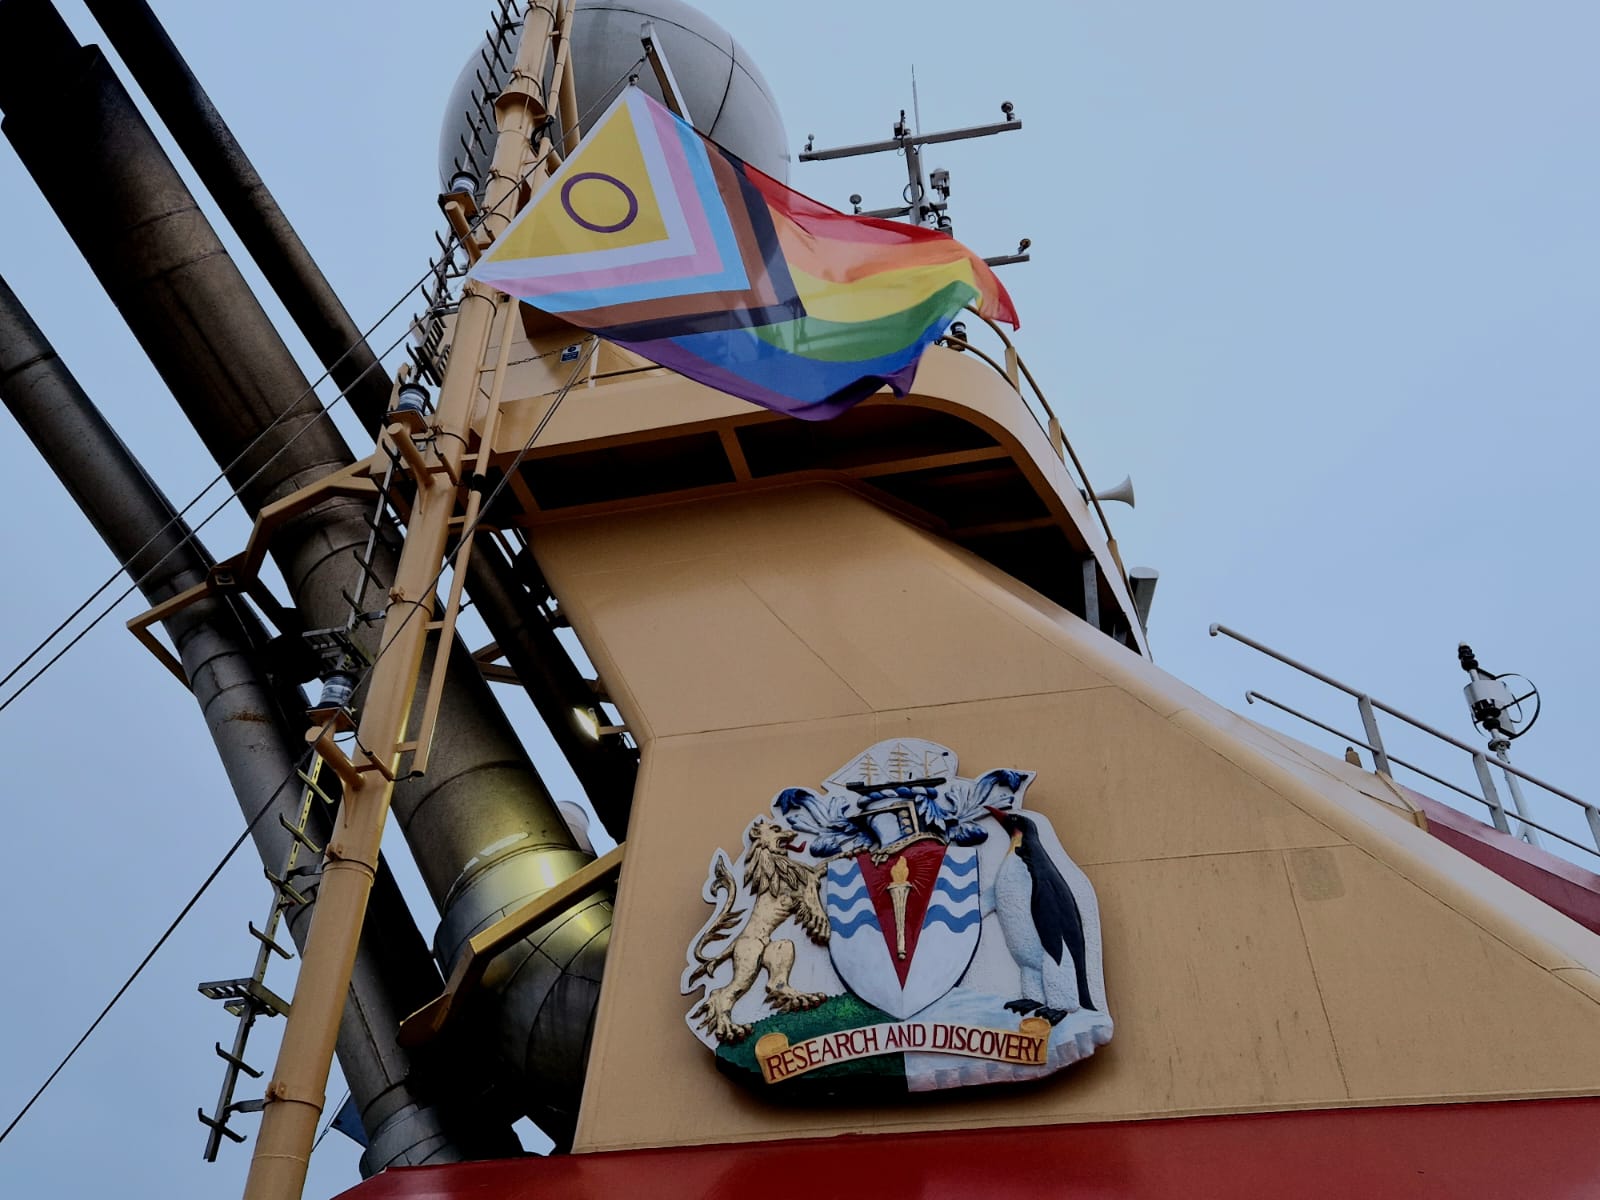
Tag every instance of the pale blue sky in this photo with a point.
(1322, 278)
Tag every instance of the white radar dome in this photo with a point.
(727, 98)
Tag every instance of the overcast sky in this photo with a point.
(1321, 278)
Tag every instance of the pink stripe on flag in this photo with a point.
(704, 261)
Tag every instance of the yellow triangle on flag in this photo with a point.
(602, 198)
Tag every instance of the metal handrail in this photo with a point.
(1055, 430)
(1382, 759)
(1497, 811)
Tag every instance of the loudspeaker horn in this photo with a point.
(1122, 491)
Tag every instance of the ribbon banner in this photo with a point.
(1026, 1046)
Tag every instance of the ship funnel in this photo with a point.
(1122, 492)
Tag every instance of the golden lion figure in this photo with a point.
(782, 888)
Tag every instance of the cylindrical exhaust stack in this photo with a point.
(605, 769)
(485, 833)
(232, 180)
(255, 728)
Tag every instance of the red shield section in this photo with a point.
(922, 860)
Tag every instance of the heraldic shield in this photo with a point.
(900, 928)
(905, 930)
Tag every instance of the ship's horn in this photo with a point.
(1122, 491)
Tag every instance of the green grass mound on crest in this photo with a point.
(833, 1014)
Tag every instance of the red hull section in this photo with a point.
(1523, 1150)
(1565, 887)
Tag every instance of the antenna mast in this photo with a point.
(919, 206)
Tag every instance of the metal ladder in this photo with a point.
(428, 350)
(250, 998)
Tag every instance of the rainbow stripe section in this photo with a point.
(661, 241)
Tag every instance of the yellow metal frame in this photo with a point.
(242, 572)
(467, 414)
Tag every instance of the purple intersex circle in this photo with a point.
(633, 202)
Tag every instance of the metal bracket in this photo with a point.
(429, 1021)
(242, 993)
(219, 1127)
(336, 649)
(663, 69)
(243, 571)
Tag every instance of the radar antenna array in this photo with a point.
(925, 200)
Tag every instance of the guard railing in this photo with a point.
(1384, 761)
(1014, 372)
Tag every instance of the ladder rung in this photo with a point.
(366, 569)
(390, 497)
(237, 1061)
(220, 1126)
(267, 941)
(298, 833)
(315, 789)
(285, 889)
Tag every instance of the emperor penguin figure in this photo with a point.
(1042, 926)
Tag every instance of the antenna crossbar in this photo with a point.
(913, 139)
(926, 198)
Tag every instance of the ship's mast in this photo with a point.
(443, 474)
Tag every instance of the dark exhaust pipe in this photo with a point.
(485, 833)
(256, 727)
(607, 770)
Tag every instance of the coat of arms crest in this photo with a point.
(912, 927)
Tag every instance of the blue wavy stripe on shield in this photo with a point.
(957, 894)
(961, 867)
(844, 898)
(843, 912)
(939, 915)
(865, 919)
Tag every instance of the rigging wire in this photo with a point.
(337, 1109)
(557, 133)
(466, 533)
(221, 476)
(412, 610)
(132, 587)
(161, 941)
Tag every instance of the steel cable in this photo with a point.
(266, 806)
(221, 475)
